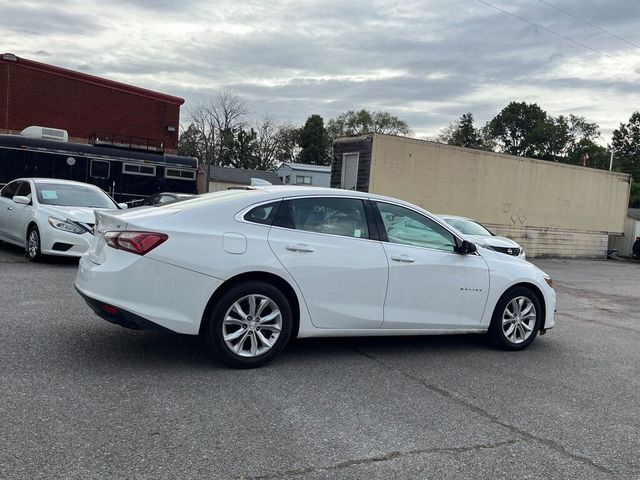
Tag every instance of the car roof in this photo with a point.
(455, 217)
(58, 181)
(302, 191)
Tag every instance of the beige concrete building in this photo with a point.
(551, 209)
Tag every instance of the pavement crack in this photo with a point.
(381, 458)
(493, 418)
(599, 322)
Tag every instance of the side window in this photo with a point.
(24, 190)
(407, 227)
(264, 214)
(99, 169)
(336, 216)
(9, 190)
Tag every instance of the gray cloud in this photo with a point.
(428, 62)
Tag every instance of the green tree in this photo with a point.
(364, 121)
(288, 143)
(225, 147)
(520, 129)
(462, 133)
(552, 138)
(589, 154)
(626, 147)
(314, 142)
(192, 144)
(634, 196)
(245, 150)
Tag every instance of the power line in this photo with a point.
(590, 24)
(559, 35)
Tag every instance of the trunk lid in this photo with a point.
(120, 220)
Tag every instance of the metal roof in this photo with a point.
(308, 167)
(634, 213)
(240, 176)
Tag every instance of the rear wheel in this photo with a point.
(250, 325)
(516, 319)
(33, 244)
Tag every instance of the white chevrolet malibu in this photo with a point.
(47, 216)
(250, 269)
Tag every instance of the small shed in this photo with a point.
(624, 243)
(222, 178)
(302, 174)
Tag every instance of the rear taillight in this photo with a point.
(139, 243)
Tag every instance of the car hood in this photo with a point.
(493, 241)
(77, 214)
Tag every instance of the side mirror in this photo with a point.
(22, 200)
(123, 206)
(466, 248)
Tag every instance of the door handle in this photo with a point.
(402, 258)
(9, 208)
(299, 247)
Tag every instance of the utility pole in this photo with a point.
(208, 154)
(611, 160)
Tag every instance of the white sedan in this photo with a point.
(50, 217)
(250, 269)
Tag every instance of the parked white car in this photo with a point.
(250, 269)
(50, 217)
(481, 235)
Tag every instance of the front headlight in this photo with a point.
(65, 226)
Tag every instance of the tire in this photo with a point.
(516, 319)
(34, 241)
(238, 336)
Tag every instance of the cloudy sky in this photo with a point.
(427, 62)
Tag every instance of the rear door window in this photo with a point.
(330, 215)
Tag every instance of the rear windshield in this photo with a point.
(72, 196)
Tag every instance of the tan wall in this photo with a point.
(511, 192)
(546, 242)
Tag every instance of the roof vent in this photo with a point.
(9, 56)
(46, 133)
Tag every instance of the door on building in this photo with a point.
(349, 171)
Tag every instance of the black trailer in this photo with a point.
(125, 173)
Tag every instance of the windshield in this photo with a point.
(66, 195)
(468, 227)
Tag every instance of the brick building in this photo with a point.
(34, 93)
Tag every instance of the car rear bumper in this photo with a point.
(120, 316)
(168, 296)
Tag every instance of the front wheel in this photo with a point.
(250, 325)
(33, 244)
(516, 319)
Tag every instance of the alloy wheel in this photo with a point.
(33, 244)
(252, 325)
(519, 320)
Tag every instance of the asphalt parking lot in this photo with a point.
(82, 398)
